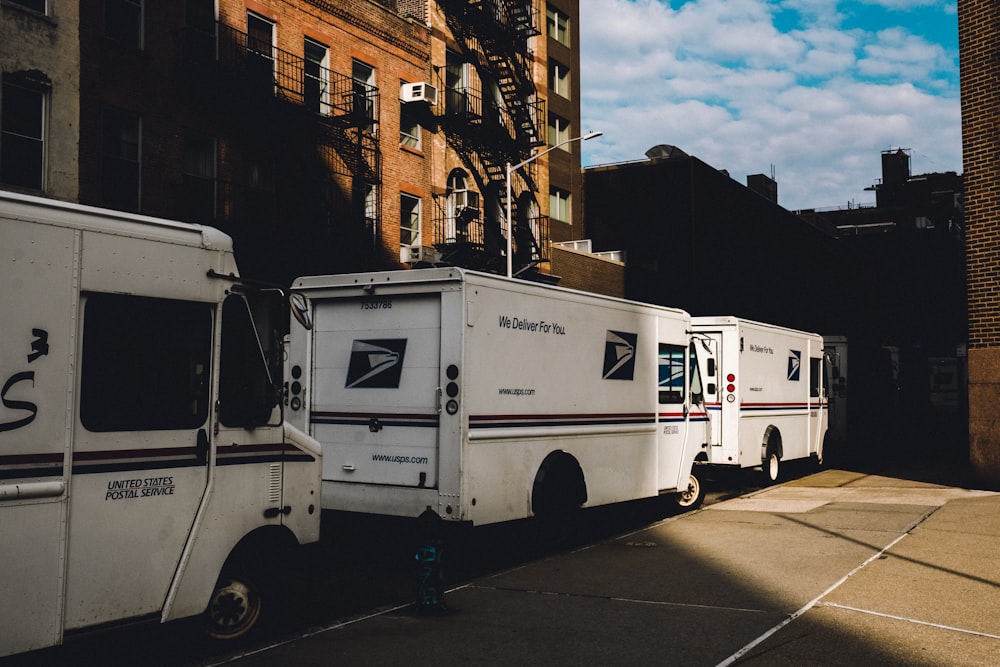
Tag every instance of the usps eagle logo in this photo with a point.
(794, 365)
(376, 364)
(619, 355)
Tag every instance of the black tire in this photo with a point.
(235, 607)
(693, 496)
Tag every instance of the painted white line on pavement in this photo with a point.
(809, 605)
(325, 628)
(910, 620)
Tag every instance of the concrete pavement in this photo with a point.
(838, 568)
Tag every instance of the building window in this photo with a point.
(558, 25)
(123, 22)
(36, 5)
(409, 126)
(317, 77)
(559, 79)
(559, 208)
(121, 158)
(22, 132)
(559, 132)
(364, 95)
(260, 50)
(199, 173)
(462, 207)
(456, 83)
(371, 212)
(409, 220)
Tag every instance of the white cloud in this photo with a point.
(718, 79)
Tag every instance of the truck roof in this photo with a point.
(453, 274)
(702, 321)
(44, 210)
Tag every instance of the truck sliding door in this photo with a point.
(140, 459)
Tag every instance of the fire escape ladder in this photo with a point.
(493, 37)
(272, 83)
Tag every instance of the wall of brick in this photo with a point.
(587, 272)
(979, 43)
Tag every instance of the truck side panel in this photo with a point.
(548, 371)
(37, 345)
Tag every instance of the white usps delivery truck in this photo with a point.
(765, 392)
(486, 399)
(145, 469)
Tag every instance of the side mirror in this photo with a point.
(299, 305)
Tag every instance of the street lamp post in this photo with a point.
(512, 168)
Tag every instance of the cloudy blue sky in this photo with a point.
(815, 89)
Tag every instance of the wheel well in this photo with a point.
(559, 484)
(258, 550)
(772, 441)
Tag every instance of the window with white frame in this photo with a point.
(409, 125)
(23, 129)
(364, 94)
(559, 132)
(409, 220)
(557, 24)
(260, 49)
(316, 70)
(121, 159)
(456, 82)
(123, 21)
(559, 79)
(559, 208)
(371, 208)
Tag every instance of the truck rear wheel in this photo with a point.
(770, 465)
(234, 608)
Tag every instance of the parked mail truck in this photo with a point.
(765, 391)
(145, 470)
(486, 399)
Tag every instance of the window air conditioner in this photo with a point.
(416, 253)
(418, 92)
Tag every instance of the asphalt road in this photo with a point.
(365, 563)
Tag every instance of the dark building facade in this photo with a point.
(696, 239)
(906, 311)
(890, 278)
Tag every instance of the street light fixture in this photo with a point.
(512, 168)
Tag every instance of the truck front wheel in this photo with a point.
(692, 497)
(234, 608)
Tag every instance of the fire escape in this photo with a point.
(493, 118)
(297, 112)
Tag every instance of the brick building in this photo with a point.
(264, 119)
(39, 97)
(979, 51)
(324, 136)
